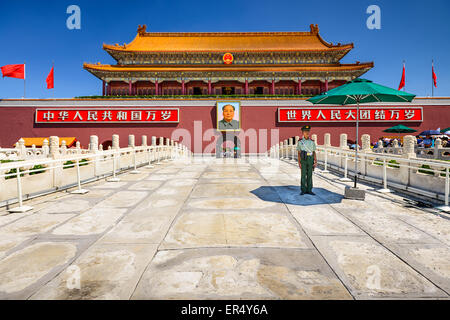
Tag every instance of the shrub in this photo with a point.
(36, 167)
(394, 164)
(70, 164)
(14, 170)
(429, 171)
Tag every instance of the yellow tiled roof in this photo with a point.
(38, 142)
(227, 41)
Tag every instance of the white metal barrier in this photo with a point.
(424, 177)
(64, 172)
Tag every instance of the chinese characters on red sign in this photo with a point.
(348, 114)
(107, 115)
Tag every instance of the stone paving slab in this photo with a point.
(223, 229)
(239, 274)
(106, 271)
(215, 229)
(371, 271)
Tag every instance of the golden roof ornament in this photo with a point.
(142, 29)
(314, 28)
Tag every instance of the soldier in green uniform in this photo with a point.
(307, 160)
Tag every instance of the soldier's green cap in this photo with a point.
(306, 128)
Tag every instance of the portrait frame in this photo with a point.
(219, 114)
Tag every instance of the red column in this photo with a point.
(130, 88)
(182, 87)
(272, 88)
(299, 87)
(103, 88)
(156, 88)
(326, 85)
(108, 89)
(209, 87)
(246, 86)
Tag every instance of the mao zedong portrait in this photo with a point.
(228, 122)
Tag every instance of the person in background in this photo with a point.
(428, 142)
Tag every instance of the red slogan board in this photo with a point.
(348, 114)
(107, 115)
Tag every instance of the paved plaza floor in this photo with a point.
(222, 229)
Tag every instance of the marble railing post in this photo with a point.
(54, 153)
(115, 141)
(78, 147)
(93, 144)
(408, 147)
(365, 143)
(343, 146)
(167, 149)
(380, 146)
(144, 141)
(408, 152)
(297, 139)
(54, 146)
(365, 148)
(93, 148)
(290, 144)
(281, 149)
(314, 138)
(22, 149)
(286, 149)
(154, 154)
(395, 143)
(437, 146)
(131, 141)
(33, 150)
(343, 141)
(63, 148)
(327, 140)
(326, 145)
(45, 148)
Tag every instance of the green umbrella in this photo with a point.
(445, 130)
(400, 129)
(360, 91)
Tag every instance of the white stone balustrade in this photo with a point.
(59, 164)
(403, 170)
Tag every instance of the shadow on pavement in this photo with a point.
(290, 195)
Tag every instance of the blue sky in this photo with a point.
(36, 32)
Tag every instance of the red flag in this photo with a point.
(434, 76)
(50, 80)
(14, 71)
(402, 81)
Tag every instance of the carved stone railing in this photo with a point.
(63, 169)
(401, 169)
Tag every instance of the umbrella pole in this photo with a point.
(356, 143)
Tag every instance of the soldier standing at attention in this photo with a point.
(307, 160)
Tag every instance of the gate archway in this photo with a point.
(235, 151)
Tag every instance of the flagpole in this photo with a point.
(24, 78)
(53, 68)
(432, 79)
(404, 67)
